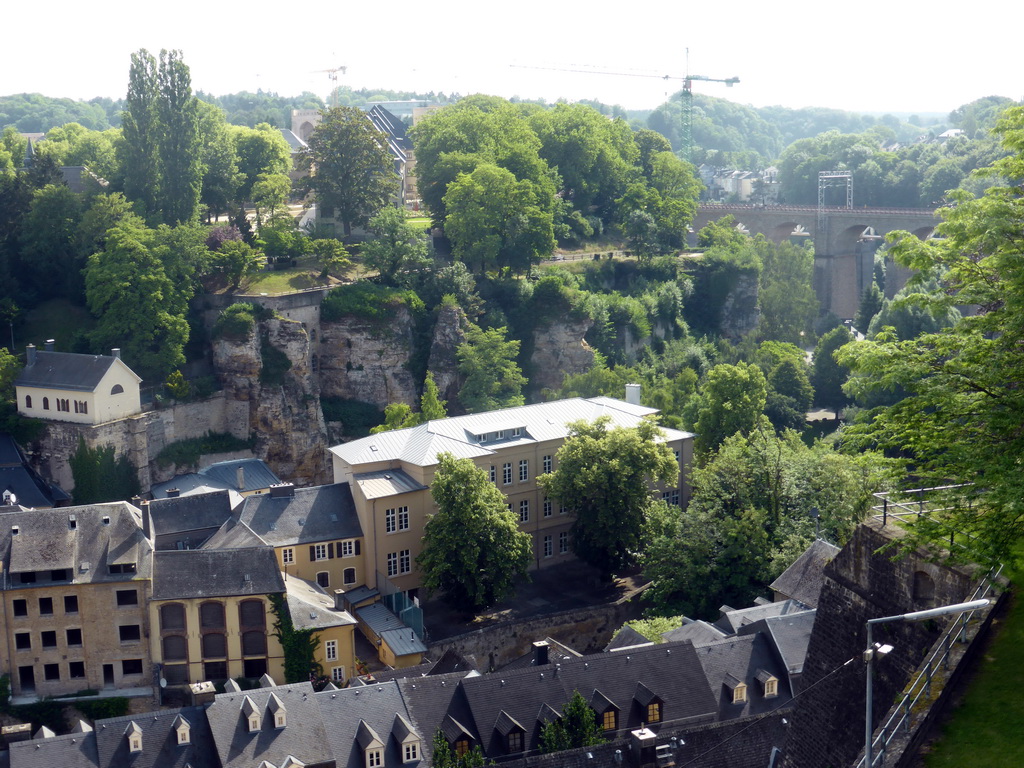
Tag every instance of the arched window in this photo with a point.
(175, 648)
(251, 614)
(215, 646)
(211, 616)
(117, 389)
(172, 616)
(349, 576)
(323, 578)
(924, 588)
(28, 401)
(254, 644)
(46, 403)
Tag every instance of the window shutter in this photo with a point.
(330, 550)
(357, 546)
(312, 552)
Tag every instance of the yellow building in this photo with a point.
(84, 389)
(76, 581)
(313, 608)
(211, 616)
(390, 474)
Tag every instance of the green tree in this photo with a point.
(100, 476)
(260, 150)
(731, 400)
(51, 259)
(401, 416)
(398, 250)
(870, 305)
(603, 478)
(181, 168)
(139, 152)
(491, 377)
(237, 260)
(577, 727)
(786, 293)
(349, 167)
(473, 550)
(828, 375)
(443, 757)
(129, 291)
(960, 420)
(221, 176)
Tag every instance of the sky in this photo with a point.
(860, 56)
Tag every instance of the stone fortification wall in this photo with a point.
(862, 583)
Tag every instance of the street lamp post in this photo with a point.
(874, 649)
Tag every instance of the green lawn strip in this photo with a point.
(985, 729)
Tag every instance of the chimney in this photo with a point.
(147, 519)
(173, 493)
(339, 600)
(116, 352)
(541, 649)
(643, 747)
(30, 355)
(240, 478)
(202, 693)
(13, 733)
(281, 490)
(49, 345)
(633, 394)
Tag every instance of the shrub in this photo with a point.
(368, 301)
(114, 706)
(187, 452)
(235, 322)
(275, 364)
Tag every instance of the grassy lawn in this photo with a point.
(984, 730)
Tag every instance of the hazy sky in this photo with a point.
(859, 55)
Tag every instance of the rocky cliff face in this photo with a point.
(365, 361)
(559, 350)
(449, 333)
(285, 417)
(740, 312)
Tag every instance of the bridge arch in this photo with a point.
(923, 233)
(779, 233)
(849, 239)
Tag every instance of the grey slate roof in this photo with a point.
(790, 635)
(255, 474)
(304, 737)
(376, 705)
(392, 630)
(803, 579)
(320, 513)
(72, 750)
(626, 637)
(20, 479)
(540, 422)
(103, 534)
(160, 748)
(557, 652)
(195, 517)
(696, 632)
(191, 573)
(733, 618)
(311, 607)
(739, 659)
(65, 370)
(234, 535)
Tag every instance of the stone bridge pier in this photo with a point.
(844, 248)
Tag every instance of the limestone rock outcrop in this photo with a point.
(559, 349)
(449, 333)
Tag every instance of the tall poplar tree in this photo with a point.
(140, 160)
(178, 121)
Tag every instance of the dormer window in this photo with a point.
(182, 731)
(517, 432)
(461, 747)
(411, 752)
(277, 711)
(607, 712)
(515, 741)
(251, 714)
(769, 683)
(374, 758)
(134, 735)
(654, 712)
(649, 704)
(736, 687)
(371, 744)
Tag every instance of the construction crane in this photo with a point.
(686, 138)
(332, 74)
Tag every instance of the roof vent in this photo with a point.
(15, 530)
(72, 522)
(84, 566)
(247, 577)
(106, 519)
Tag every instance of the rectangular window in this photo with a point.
(499, 435)
(346, 548)
(546, 461)
(331, 649)
(373, 758)
(403, 518)
(561, 509)
(608, 720)
(74, 636)
(21, 607)
(51, 671)
(127, 597)
(412, 752)
(45, 606)
(549, 546)
(287, 555)
(515, 741)
(671, 497)
(404, 561)
(28, 577)
(524, 470)
(547, 507)
(392, 563)
(506, 473)
(396, 519)
(70, 603)
(494, 474)
(563, 542)
(131, 666)
(517, 432)
(320, 552)
(48, 638)
(130, 633)
(338, 674)
(390, 521)
(524, 511)
(23, 641)
(76, 669)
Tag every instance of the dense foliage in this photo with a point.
(101, 476)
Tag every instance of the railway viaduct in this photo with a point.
(844, 248)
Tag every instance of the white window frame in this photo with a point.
(392, 560)
(549, 546)
(405, 561)
(331, 650)
(524, 510)
(374, 758)
(319, 552)
(288, 556)
(403, 518)
(524, 470)
(346, 549)
(548, 508)
(547, 464)
(390, 520)
(411, 751)
(337, 674)
(506, 473)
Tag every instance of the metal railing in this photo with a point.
(919, 692)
